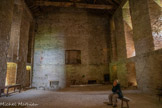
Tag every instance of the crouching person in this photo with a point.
(116, 93)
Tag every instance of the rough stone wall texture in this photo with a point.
(18, 44)
(119, 34)
(143, 39)
(6, 12)
(128, 29)
(15, 33)
(120, 46)
(23, 48)
(122, 74)
(142, 30)
(13, 49)
(70, 29)
(30, 55)
(129, 40)
(31, 43)
(147, 62)
(28, 78)
(113, 41)
(131, 74)
(113, 72)
(149, 71)
(155, 12)
(118, 70)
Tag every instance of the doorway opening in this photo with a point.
(131, 74)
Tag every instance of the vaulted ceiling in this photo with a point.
(109, 6)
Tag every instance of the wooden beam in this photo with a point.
(111, 2)
(116, 1)
(94, 1)
(71, 4)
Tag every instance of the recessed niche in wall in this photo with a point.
(128, 30)
(28, 75)
(106, 77)
(131, 74)
(92, 81)
(73, 57)
(11, 73)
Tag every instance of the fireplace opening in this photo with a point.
(92, 81)
(54, 84)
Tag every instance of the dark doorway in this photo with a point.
(91, 81)
(106, 77)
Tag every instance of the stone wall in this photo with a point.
(113, 45)
(6, 12)
(141, 26)
(120, 34)
(149, 71)
(15, 32)
(120, 42)
(146, 65)
(128, 29)
(23, 48)
(62, 29)
(143, 40)
(18, 42)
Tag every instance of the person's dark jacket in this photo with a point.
(116, 89)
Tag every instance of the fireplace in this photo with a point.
(54, 84)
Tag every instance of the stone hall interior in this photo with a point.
(67, 53)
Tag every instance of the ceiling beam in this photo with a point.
(71, 4)
(94, 1)
(116, 1)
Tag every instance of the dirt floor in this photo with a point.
(77, 97)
